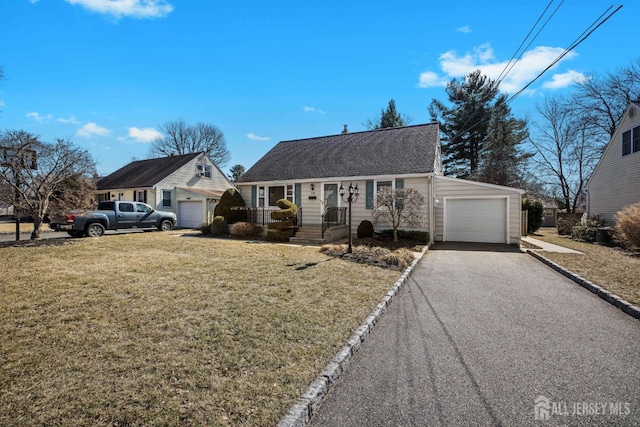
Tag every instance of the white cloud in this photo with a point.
(71, 120)
(307, 109)
(431, 79)
(559, 81)
(255, 137)
(131, 8)
(37, 117)
(466, 29)
(92, 129)
(532, 63)
(144, 135)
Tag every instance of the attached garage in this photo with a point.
(469, 211)
(476, 220)
(190, 214)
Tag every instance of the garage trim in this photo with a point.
(493, 197)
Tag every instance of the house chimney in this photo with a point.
(345, 130)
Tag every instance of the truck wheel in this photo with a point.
(94, 229)
(165, 225)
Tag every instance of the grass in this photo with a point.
(161, 329)
(610, 268)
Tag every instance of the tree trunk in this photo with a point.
(35, 234)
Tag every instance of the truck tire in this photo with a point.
(165, 225)
(95, 229)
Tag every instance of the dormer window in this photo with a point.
(631, 141)
(203, 171)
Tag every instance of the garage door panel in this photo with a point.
(189, 214)
(476, 220)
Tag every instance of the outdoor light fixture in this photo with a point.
(353, 193)
(312, 187)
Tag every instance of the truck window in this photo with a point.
(106, 206)
(141, 207)
(126, 207)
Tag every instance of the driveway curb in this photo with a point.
(627, 307)
(303, 409)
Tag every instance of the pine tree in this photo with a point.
(388, 118)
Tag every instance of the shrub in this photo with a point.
(245, 230)
(535, 214)
(587, 231)
(418, 236)
(274, 235)
(205, 228)
(566, 221)
(230, 198)
(218, 226)
(365, 229)
(628, 226)
(287, 210)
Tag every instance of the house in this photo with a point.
(189, 185)
(615, 182)
(551, 210)
(311, 171)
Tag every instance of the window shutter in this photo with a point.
(135, 194)
(298, 195)
(254, 196)
(369, 194)
(145, 196)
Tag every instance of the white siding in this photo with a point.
(458, 188)
(615, 183)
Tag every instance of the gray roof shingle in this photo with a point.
(144, 173)
(390, 151)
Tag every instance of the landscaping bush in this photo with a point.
(535, 214)
(287, 210)
(245, 230)
(274, 235)
(205, 228)
(587, 231)
(418, 236)
(365, 229)
(628, 226)
(230, 198)
(566, 221)
(373, 255)
(218, 226)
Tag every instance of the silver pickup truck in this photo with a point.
(115, 215)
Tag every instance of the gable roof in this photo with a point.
(389, 151)
(144, 173)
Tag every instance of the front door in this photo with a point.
(331, 202)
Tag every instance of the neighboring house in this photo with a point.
(6, 209)
(309, 172)
(550, 212)
(189, 185)
(615, 182)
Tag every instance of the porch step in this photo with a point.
(313, 235)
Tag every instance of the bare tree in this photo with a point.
(567, 149)
(604, 99)
(39, 174)
(399, 206)
(182, 138)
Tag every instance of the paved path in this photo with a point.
(548, 247)
(476, 335)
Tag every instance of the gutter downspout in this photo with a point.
(432, 216)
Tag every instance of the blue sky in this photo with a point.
(107, 73)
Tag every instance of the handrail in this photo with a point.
(333, 215)
(260, 216)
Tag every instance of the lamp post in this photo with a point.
(353, 196)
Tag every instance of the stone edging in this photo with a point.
(627, 307)
(303, 409)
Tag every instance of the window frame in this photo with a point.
(164, 199)
(203, 170)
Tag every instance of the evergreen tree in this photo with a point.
(502, 161)
(388, 118)
(464, 126)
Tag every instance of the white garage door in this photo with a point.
(190, 214)
(476, 220)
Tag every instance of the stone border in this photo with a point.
(627, 307)
(303, 409)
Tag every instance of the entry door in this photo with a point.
(331, 202)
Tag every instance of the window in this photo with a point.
(126, 207)
(104, 196)
(636, 139)
(261, 197)
(140, 196)
(626, 143)
(290, 193)
(203, 170)
(382, 184)
(275, 194)
(141, 207)
(166, 198)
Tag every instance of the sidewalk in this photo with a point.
(548, 247)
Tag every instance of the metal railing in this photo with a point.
(333, 216)
(259, 216)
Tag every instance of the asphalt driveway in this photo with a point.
(477, 335)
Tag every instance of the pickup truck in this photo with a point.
(113, 215)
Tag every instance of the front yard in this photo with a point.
(161, 329)
(609, 268)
